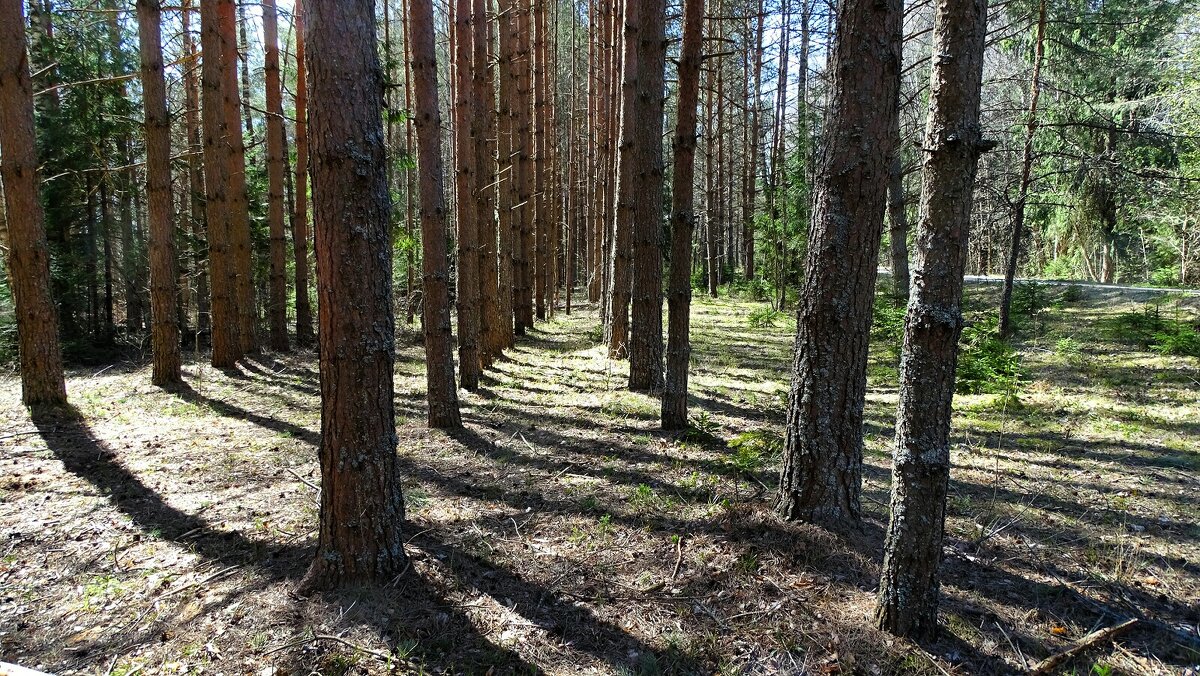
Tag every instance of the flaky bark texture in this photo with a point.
(164, 326)
(226, 346)
(439, 359)
(646, 330)
(276, 148)
(683, 219)
(466, 186)
(29, 255)
(620, 281)
(509, 192)
(362, 509)
(822, 471)
(304, 319)
(908, 590)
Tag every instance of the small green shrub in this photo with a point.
(887, 325)
(1029, 301)
(752, 450)
(1183, 341)
(1072, 294)
(986, 363)
(1069, 349)
(764, 317)
(1166, 276)
(757, 290)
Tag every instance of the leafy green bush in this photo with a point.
(986, 363)
(1072, 294)
(764, 317)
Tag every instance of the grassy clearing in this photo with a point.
(561, 532)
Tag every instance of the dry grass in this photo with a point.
(561, 532)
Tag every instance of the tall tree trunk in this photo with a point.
(509, 170)
(276, 148)
(1018, 222)
(908, 590)
(523, 300)
(466, 187)
(439, 359)
(620, 283)
(750, 181)
(304, 319)
(226, 345)
(898, 221)
(492, 338)
(822, 471)
(679, 299)
(897, 210)
(164, 327)
(28, 255)
(541, 216)
(362, 509)
(239, 214)
(646, 330)
(191, 87)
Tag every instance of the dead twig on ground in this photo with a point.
(1050, 664)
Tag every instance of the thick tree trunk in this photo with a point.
(908, 590)
(29, 255)
(679, 299)
(492, 338)
(276, 148)
(304, 319)
(164, 327)
(226, 346)
(526, 244)
(628, 192)
(362, 509)
(1018, 223)
(239, 214)
(466, 187)
(822, 471)
(439, 359)
(646, 330)
(509, 171)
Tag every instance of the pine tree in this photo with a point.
(362, 508)
(908, 590)
(164, 327)
(29, 256)
(822, 472)
(441, 392)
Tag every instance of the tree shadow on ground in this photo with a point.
(444, 635)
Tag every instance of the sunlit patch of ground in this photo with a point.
(562, 532)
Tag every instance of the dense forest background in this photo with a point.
(1105, 191)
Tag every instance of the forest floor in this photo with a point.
(561, 532)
